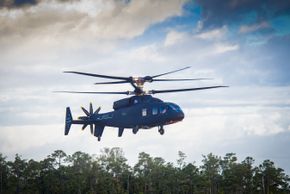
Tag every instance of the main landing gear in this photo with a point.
(161, 130)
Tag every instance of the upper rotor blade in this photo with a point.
(196, 79)
(75, 92)
(184, 90)
(98, 75)
(118, 82)
(170, 72)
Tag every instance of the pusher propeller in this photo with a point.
(89, 117)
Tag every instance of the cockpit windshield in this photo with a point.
(174, 107)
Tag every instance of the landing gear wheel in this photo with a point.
(161, 130)
(99, 138)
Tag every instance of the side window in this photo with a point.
(154, 111)
(162, 109)
(144, 112)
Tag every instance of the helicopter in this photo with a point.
(140, 111)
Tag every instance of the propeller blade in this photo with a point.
(170, 72)
(85, 111)
(118, 82)
(97, 111)
(84, 126)
(98, 75)
(92, 128)
(75, 92)
(196, 79)
(91, 109)
(184, 90)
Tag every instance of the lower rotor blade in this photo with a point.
(184, 90)
(85, 111)
(75, 92)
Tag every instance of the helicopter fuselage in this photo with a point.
(137, 112)
(143, 115)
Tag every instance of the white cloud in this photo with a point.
(174, 37)
(222, 48)
(253, 27)
(147, 53)
(202, 44)
(22, 138)
(215, 34)
(82, 19)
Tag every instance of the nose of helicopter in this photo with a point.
(176, 112)
(175, 117)
(179, 116)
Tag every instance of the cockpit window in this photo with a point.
(174, 107)
(162, 109)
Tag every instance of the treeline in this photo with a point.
(110, 173)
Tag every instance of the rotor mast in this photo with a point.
(138, 84)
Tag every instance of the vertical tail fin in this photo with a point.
(68, 121)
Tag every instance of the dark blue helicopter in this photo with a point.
(141, 111)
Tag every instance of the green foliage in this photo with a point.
(109, 173)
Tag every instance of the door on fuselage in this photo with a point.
(153, 114)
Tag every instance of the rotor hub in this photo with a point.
(139, 81)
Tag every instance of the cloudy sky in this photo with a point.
(244, 44)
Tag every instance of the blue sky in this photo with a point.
(243, 44)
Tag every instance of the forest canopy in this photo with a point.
(109, 172)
